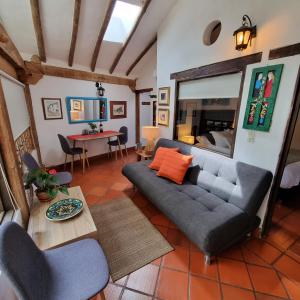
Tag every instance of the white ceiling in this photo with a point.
(57, 22)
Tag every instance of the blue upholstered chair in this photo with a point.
(73, 272)
(63, 178)
(122, 138)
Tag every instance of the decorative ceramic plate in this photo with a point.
(64, 209)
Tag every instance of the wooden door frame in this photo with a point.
(137, 112)
(288, 136)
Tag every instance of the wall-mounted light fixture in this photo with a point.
(244, 34)
(100, 89)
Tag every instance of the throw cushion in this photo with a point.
(174, 166)
(160, 155)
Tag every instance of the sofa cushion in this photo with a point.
(174, 166)
(235, 182)
(160, 155)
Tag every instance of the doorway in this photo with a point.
(282, 222)
(144, 112)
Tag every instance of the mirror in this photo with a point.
(86, 109)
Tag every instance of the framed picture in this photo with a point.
(163, 117)
(77, 105)
(262, 97)
(164, 96)
(52, 108)
(118, 109)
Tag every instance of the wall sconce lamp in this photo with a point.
(100, 89)
(244, 34)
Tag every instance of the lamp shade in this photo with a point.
(150, 133)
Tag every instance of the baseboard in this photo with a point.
(98, 157)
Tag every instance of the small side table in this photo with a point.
(49, 235)
(142, 154)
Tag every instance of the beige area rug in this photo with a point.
(128, 239)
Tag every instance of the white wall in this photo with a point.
(55, 87)
(180, 47)
(146, 71)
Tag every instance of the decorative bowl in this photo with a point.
(64, 209)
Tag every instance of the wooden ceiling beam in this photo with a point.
(74, 31)
(105, 23)
(120, 53)
(141, 55)
(9, 51)
(37, 70)
(36, 18)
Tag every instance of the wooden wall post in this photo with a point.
(32, 122)
(9, 153)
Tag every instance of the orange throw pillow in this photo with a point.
(175, 166)
(160, 155)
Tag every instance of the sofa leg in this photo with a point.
(207, 259)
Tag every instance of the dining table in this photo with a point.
(84, 138)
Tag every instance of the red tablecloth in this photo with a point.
(100, 134)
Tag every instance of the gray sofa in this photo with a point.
(216, 205)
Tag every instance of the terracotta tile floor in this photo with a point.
(254, 269)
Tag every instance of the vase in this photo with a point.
(43, 196)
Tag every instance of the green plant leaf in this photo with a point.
(64, 190)
(52, 192)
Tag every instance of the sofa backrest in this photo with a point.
(238, 183)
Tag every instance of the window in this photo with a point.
(122, 21)
(207, 112)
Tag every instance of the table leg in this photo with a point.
(109, 146)
(120, 149)
(84, 157)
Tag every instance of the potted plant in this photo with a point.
(46, 183)
(93, 127)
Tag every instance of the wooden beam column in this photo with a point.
(8, 50)
(74, 31)
(120, 53)
(32, 122)
(8, 150)
(105, 23)
(36, 18)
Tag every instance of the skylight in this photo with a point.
(122, 21)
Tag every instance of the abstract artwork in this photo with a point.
(262, 97)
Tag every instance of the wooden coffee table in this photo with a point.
(142, 154)
(48, 234)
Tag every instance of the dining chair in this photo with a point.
(123, 140)
(63, 178)
(68, 150)
(72, 272)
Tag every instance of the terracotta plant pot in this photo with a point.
(43, 196)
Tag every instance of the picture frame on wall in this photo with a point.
(163, 117)
(262, 96)
(52, 108)
(164, 96)
(118, 109)
(77, 105)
